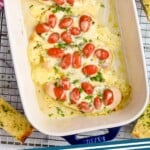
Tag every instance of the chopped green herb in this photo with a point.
(80, 90)
(90, 40)
(56, 84)
(75, 81)
(72, 113)
(98, 77)
(100, 94)
(62, 45)
(102, 5)
(89, 97)
(85, 40)
(50, 115)
(37, 46)
(63, 9)
(56, 69)
(93, 22)
(60, 112)
(31, 6)
(97, 37)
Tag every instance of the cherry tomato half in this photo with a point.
(59, 2)
(65, 84)
(66, 22)
(53, 38)
(66, 37)
(90, 70)
(97, 102)
(71, 2)
(108, 97)
(66, 61)
(87, 87)
(75, 96)
(84, 23)
(52, 20)
(101, 54)
(84, 107)
(76, 60)
(60, 93)
(56, 52)
(88, 49)
(75, 31)
(41, 28)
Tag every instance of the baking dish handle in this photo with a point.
(112, 133)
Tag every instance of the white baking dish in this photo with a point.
(136, 70)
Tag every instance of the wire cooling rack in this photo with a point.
(9, 89)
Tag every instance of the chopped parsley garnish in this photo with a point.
(63, 9)
(98, 77)
(102, 5)
(56, 84)
(72, 113)
(60, 112)
(56, 69)
(62, 45)
(38, 45)
(31, 6)
(80, 90)
(85, 40)
(89, 97)
(75, 81)
(50, 115)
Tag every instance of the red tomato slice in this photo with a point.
(75, 31)
(76, 60)
(66, 61)
(84, 23)
(84, 107)
(41, 28)
(88, 49)
(90, 70)
(102, 54)
(75, 96)
(65, 23)
(97, 102)
(108, 97)
(66, 37)
(65, 84)
(59, 2)
(60, 93)
(53, 38)
(71, 2)
(52, 20)
(56, 52)
(88, 88)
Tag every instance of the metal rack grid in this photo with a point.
(9, 89)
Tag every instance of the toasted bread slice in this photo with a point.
(142, 127)
(146, 4)
(13, 122)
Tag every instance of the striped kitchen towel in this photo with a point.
(1, 4)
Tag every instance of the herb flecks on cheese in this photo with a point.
(76, 58)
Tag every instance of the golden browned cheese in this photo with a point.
(142, 127)
(146, 4)
(13, 122)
